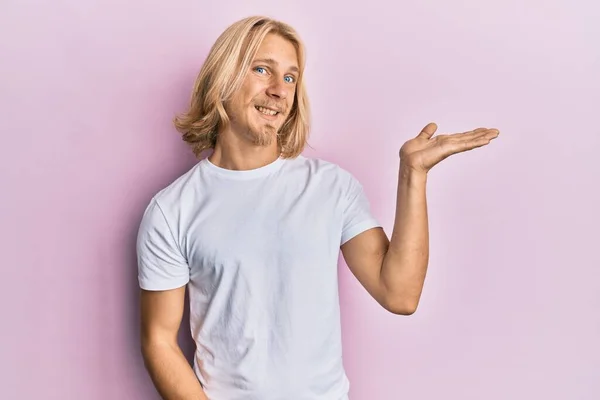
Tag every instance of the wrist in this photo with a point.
(412, 175)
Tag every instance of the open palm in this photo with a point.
(424, 151)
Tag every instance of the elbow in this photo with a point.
(146, 350)
(401, 306)
(150, 347)
(402, 310)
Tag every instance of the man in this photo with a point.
(254, 231)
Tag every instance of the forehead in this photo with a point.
(278, 50)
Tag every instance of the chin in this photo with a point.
(263, 138)
(264, 135)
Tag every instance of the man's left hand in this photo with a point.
(424, 151)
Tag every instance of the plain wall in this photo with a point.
(509, 310)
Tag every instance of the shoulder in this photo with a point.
(177, 191)
(318, 167)
(339, 177)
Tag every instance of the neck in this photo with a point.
(236, 155)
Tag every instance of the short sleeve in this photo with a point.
(161, 265)
(357, 216)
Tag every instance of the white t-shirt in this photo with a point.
(259, 250)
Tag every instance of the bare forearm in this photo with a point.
(405, 264)
(171, 373)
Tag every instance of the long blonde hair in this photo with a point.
(223, 73)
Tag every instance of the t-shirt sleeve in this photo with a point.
(357, 216)
(161, 265)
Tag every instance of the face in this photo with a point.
(262, 104)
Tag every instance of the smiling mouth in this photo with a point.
(266, 111)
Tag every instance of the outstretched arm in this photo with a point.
(393, 270)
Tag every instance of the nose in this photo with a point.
(277, 89)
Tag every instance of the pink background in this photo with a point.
(510, 306)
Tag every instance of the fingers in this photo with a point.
(479, 142)
(487, 134)
(431, 128)
(478, 132)
(465, 141)
(475, 134)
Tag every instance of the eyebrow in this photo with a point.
(271, 61)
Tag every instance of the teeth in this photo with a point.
(266, 111)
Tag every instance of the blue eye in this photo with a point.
(290, 79)
(258, 69)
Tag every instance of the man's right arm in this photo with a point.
(161, 314)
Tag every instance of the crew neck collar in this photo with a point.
(243, 174)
